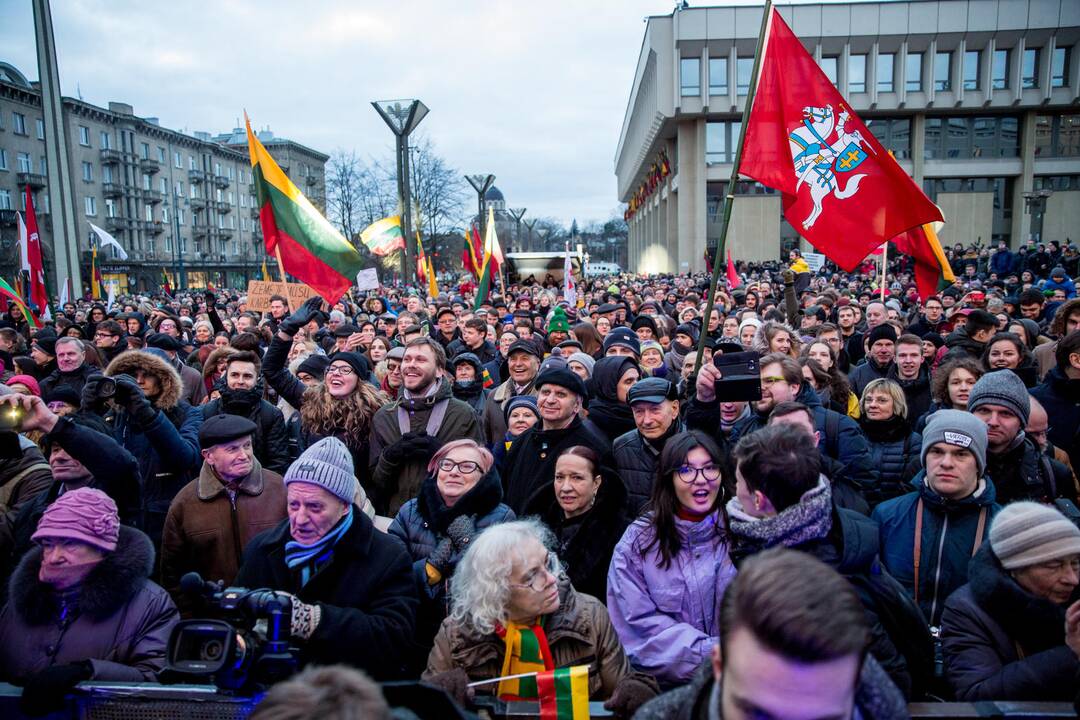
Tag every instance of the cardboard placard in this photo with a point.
(367, 279)
(259, 293)
(816, 261)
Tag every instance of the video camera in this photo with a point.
(232, 652)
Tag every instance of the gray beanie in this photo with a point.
(327, 464)
(959, 428)
(1027, 533)
(1005, 388)
(587, 360)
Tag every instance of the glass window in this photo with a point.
(91, 205)
(971, 69)
(5, 200)
(165, 214)
(715, 143)
(180, 188)
(972, 137)
(163, 185)
(176, 161)
(913, 72)
(690, 76)
(894, 134)
(1029, 69)
(40, 129)
(110, 207)
(87, 172)
(1059, 67)
(856, 73)
(829, 64)
(744, 68)
(1057, 135)
(999, 72)
(717, 76)
(3, 159)
(26, 165)
(106, 174)
(161, 155)
(18, 123)
(885, 62)
(148, 212)
(146, 182)
(145, 149)
(942, 68)
(84, 136)
(180, 215)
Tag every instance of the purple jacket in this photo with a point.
(667, 619)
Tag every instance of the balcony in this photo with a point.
(34, 180)
(118, 223)
(157, 227)
(311, 179)
(222, 181)
(220, 233)
(112, 190)
(222, 207)
(111, 157)
(149, 165)
(199, 231)
(197, 203)
(196, 176)
(7, 218)
(255, 213)
(153, 196)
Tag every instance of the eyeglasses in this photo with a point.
(342, 370)
(537, 580)
(771, 380)
(689, 474)
(466, 467)
(104, 335)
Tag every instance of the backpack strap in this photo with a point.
(979, 529)
(1048, 470)
(832, 433)
(918, 545)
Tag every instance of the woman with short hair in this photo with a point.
(894, 448)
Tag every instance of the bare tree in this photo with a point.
(438, 191)
(344, 190)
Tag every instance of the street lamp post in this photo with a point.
(1035, 204)
(480, 183)
(402, 117)
(530, 224)
(517, 214)
(178, 255)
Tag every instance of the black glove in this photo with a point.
(301, 316)
(44, 692)
(630, 694)
(440, 556)
(130, 396)
(419, 445)
(456, 684)
(89, 399)
(460, 531)
(126, 389)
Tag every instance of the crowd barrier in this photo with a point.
(148, 701)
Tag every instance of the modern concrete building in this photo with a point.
(168, 197)
(976, 98)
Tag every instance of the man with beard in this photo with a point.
(655, 405)
(406, 433)
(243, 396)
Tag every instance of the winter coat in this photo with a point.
(474, 392)
(1003, 643)
(949, 530)
(1068, 285)
(486, 352)
(494, 420)
(1001, 263)
(421, 525)
(529, 469)
(366, 594)
(74, 379)
(207, 527)
(194, 390)
(861, 375)
(167, 450)
(121, 626)
(270, 442)
(895, 452)
(1024, 472)
(393, 484)
(667, 617)
(579, 632)
(916, 391)
(587, 542)
(1060, 395)
(960, 344)
(636, 460)
(612, 416)
(876, 697)
(22, 479)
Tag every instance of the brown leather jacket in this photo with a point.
(579, 633)
(206, 532)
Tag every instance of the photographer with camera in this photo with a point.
(80, 453)
(82, 606)
(354, 592)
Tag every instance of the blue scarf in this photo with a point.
(312, 557)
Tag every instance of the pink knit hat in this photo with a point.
(28, 381)
(87, 515)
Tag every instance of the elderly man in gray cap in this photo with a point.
(655, 404)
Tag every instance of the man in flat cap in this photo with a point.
(214, 516)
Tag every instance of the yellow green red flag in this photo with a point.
(564, 693)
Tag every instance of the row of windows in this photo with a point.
(942, 79)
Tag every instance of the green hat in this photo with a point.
(558, 321)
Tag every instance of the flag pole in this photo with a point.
(729, 196)
(884, 267)
(281, 269)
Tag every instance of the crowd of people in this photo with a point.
(459, 491)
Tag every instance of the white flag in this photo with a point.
(569, 286)
(23, 243)
(112, 295)
(64, 294)
(491, 239)
(107, 239)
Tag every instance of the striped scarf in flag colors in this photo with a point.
(527, 651)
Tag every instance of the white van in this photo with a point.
(599, 269)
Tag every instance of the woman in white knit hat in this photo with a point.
(1013, 632)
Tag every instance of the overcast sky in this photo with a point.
(532, 92)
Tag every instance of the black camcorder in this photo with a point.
(230, 651)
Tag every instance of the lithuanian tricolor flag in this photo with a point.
(564, 693)
(166, 283)
(9, 294)
(383, 237)
(483, 285)
(309, 247)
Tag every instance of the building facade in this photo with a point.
(177, 203)
(977, 99)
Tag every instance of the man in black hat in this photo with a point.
(192, 380)
(43, 351)
(655, 405)
(530, 464)
(522, 364)
(881, 347)
(346, 337)
(214, 516)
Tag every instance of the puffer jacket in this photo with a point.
(667, 617)
(167, 449)
(578, 633)
(74, 379)
(949, 529)
(861, 375)
(1060, 395)
(636, 460)
(895, 452)
(122, 625)
(1003, 643)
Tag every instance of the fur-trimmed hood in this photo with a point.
(216, 355)
(115, 580)
(168, 378)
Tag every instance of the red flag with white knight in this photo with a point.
(39, 297)
(841, 189)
